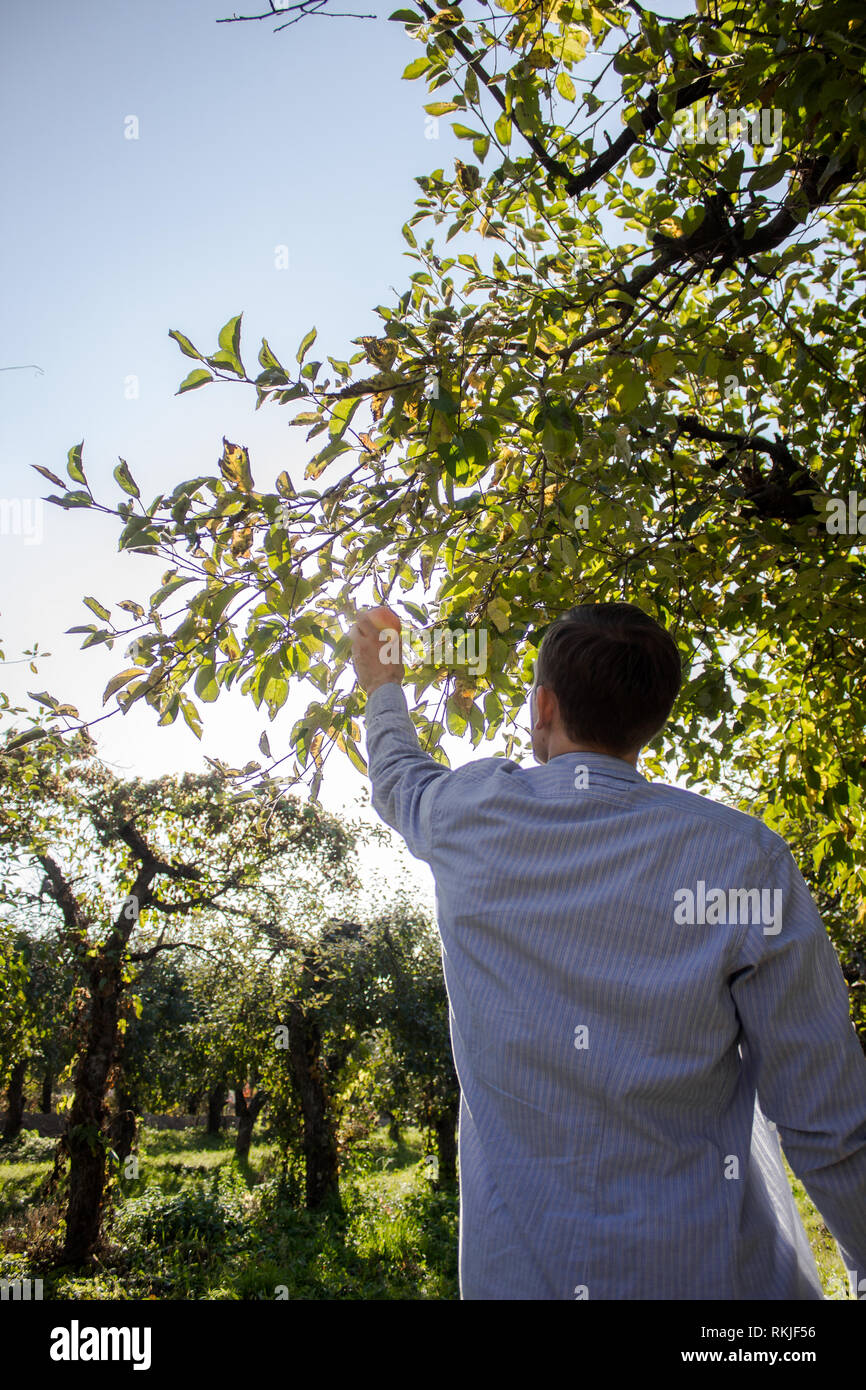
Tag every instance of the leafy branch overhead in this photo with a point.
(628, 362)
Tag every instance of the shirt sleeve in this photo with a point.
(808, 1064)
(406, 782)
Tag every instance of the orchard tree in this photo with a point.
(628, 364)
(421, 1080)
(35, 1019)
(231, 1031)
(34, 979)
(16, 1026)
(151, 1067)
(326, 1007)
(129, 866)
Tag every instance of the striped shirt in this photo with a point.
(642, 1000)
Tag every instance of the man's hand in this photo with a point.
(374, 646)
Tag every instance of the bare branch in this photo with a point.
(301, 9)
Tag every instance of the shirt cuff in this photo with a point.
(386, 699)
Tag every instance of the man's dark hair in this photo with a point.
(615, 672)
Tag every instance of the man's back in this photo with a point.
(611, 1016)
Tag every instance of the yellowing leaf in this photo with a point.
(117, 681)
(235, 466)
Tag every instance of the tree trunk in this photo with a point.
(247, 1112)
(320, 1130)
(46, 1093)
(86, 1129)
(15, 1102)
(124, 1123)
(216, 1100)
(393, 1127)
(446, 1145)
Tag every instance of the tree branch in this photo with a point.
(73, 915)
(139, 847)
(303, 7)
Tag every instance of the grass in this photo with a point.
(831, 1269)
(196, 1225)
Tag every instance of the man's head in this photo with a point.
(606, 679)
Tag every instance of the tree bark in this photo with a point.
(445, 1124)
(216, 1100)
(46, 1093)
(86, 1131)
(248, 1112)
(15, 1102)
(124, 1122)
(320, 1129)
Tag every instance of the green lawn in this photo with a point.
(194, 1225)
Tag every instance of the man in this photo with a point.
(630, 969)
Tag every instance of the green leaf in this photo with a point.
(29, 737)
(480, 148)
(225, 360)
(766, 175)
(198, 377)
(73, 464)
(320, 461)
(306, 343)
(416, 68)
(190, 714)
(642, 163)
(565, 86)
(162, 594)
(628, 387)
(406, 17)
(185, 344)
(96, 607)
(454, 718)
(72, 499)
(117, 682)
(692, 219)
(502, 129)
(342, 414)
(267, 358)
(205, 684)
(230, 339)
(123, 476)
(354, 755)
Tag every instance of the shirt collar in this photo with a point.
(600, 763)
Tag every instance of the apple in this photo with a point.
(383, 618)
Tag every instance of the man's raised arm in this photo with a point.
(405, 780)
